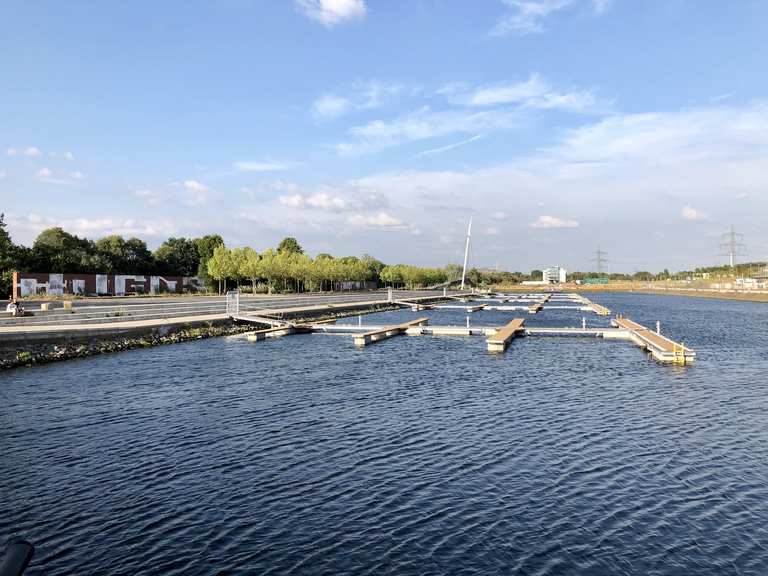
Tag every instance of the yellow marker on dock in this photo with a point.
(661, 348)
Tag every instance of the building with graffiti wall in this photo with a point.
(52, 284)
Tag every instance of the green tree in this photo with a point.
(250, 266)
(9, 259)
(115, 255)
(289, 245)
(205, 246)
(220, 265)
(177, 257)
(55, 250)
(269, 268)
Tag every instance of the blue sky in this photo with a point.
(382, 126)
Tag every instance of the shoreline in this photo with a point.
(36, 352)
(691, 292)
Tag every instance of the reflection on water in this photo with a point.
(422, 455)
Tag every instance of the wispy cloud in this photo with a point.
(331, 106)
(64, 155)
(195, 193)
(151, 197)
(690, 213)
(381, 220)
(48, 176)
(29, 152)
(360, 95)
(471, 110)
(550, 222)
(528, 16)
(423, 124)
(262, 166)
(320, 200)
(535, 92)
(33, 223)
(331, 12)
(346, 197)
(448, 147)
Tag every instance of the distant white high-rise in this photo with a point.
(554, 275)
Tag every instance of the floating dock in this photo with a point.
(498, 338)
(387, 332)
(501, 339)
(660, 347)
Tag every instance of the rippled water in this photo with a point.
(421, 455)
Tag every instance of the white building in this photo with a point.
(554, 275)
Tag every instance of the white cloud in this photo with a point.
(500, 215)
(553, 222)
(527, 16)
(320, 200)
(330, 106)
(32, 224)
(29, 152)
(2, 175)
(151, 197)
(64, 155)
(261, 166)
(492, 231)
(380, 220)
(195, 193)
(331, 12)
(46, 175)
(689, 213)
(517, 92)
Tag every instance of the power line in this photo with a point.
(733, 244)
(600, 259)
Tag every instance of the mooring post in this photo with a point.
(445, 291)
(658, 327)
(467, 321)
(583, 322)
(360, 320)
(389, 295)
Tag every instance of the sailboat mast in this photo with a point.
(466, 254)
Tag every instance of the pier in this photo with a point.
(498, 338)
(501, 339)
(387, 332)
(660, 347)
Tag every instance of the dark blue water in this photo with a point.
(418, 455)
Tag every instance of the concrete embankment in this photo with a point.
(32, 345)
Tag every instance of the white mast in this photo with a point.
(466, 253)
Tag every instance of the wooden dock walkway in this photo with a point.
(499, 341)
(387, 332)
(662, 348)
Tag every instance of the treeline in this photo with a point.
(288, 268)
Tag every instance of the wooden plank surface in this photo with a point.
(506, 333)
(659, 341)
